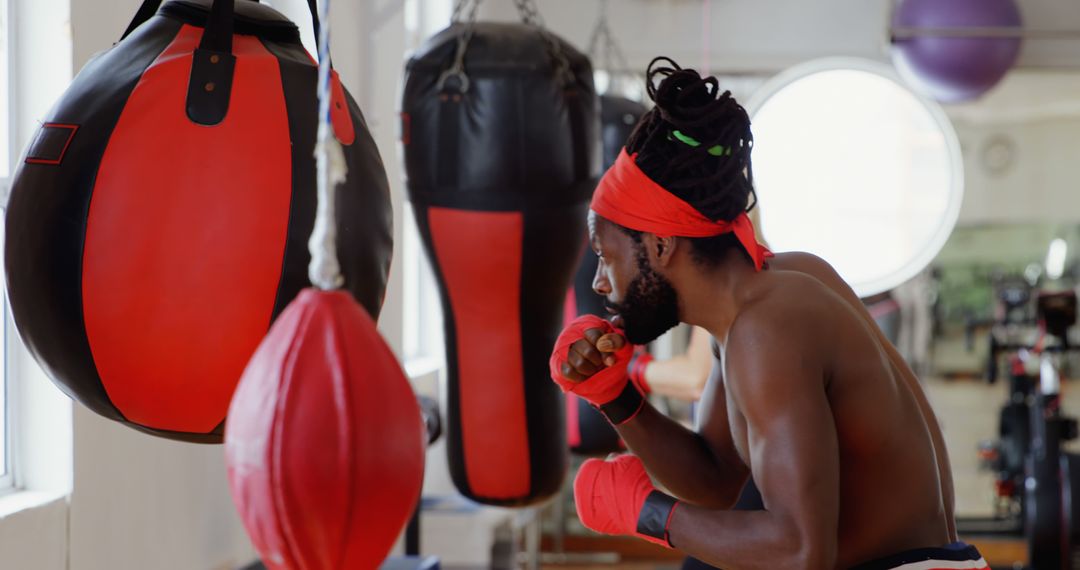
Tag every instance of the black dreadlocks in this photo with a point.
(719, 184)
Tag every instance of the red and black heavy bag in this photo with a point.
(501, 156)
(587, 431)
(325, 442)
(159, 220)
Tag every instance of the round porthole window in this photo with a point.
(851, 165)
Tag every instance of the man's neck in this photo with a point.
(712, 297)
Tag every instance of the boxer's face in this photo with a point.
(642, 302)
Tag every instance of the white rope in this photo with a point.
(331, 170)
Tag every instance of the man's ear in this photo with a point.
(661, 248)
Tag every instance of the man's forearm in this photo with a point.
(747, 540)
(679, 460)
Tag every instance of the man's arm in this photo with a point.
(590, 359)
(794, 457)
(683, 376)
(699, 468)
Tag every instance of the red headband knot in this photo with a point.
(631, 199)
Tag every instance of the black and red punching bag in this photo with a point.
(588, 432)
(159, 221)
(501, 157)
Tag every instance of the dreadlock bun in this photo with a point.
(692, 109)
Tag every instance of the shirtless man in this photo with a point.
(807, 396)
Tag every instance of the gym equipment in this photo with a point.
(1011, 312)
(1057, 311)
(1036, 478)
(1048, 503)
(500, 149)
(957, 50)
(325, 441)
(158, 223)
(618, 117)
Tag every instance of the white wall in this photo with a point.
(144, 502)
(743, 35)
(1041, 183)
(36, 537)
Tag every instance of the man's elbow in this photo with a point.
(813, 554)
(806, 548)
(817, 556)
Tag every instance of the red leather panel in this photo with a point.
(479, 256)
(184, 240)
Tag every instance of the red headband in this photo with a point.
(631, 199)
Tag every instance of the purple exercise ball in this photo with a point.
(954, 69)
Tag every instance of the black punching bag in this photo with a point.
(588, 432)
(501, 157)
(159, 221)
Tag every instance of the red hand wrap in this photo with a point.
(636, 370)
(605, 385)
(611, 495)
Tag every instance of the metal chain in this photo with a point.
(601, 29)
(457, 69)
(605, 51)
(530, 15)
(459, 9)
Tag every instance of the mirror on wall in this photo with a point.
(990, 273)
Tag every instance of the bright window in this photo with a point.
(851, 165)
(6, 477)
(422, 319)
(423, 322)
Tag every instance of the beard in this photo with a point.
(651, 306)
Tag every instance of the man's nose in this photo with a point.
(600, 283)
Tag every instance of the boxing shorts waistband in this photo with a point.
(956, 556)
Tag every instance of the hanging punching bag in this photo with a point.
(325, 442)
(159, 220)
(501, 156)
(588, 432)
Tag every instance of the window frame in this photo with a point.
(422, 320)
(423, 338)
(8, 384)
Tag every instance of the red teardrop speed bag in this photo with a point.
(325, 442)
(159, 220)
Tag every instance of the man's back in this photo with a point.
(895, 489)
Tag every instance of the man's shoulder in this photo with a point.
(779, 330)
(782, 323)
(786, 298)
(800, 261)
(813, 267)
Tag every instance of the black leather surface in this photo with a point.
(47, 213)
(518, 139)
(365, 242)
(48, 209)
(618, 116)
